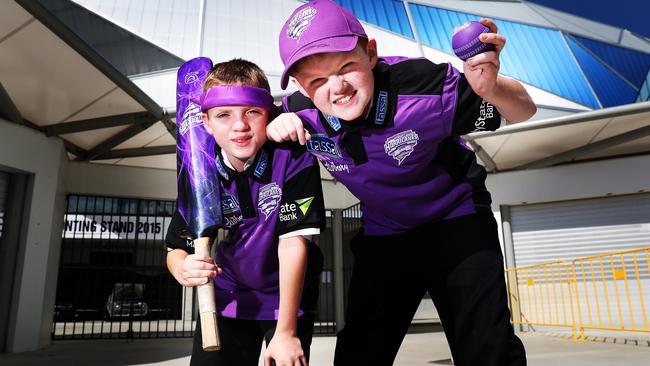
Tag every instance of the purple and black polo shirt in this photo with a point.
(405, 161)
(279, 193)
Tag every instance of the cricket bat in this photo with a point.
(199, 196)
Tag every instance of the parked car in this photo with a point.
(126, 300)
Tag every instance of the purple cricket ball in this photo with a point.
(465, 41)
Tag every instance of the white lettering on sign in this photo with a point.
(77, 226)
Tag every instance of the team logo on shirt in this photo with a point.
(261, 164)
(289, 211)
(231, 211)
(382, 106)
(333, 122)
(268, 199)
(401, 145)
(333, 167)
(220, 167)
(191, 118)
(321, 145)
(485, 112)
(300, 22)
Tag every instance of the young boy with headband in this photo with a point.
(389, 129)
(272, 204)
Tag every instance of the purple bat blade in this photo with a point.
(199, 194)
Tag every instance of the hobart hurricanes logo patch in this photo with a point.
(321, 145)
(268, 199)
(300, 22)
(401, 145)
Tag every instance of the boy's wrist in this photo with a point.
(491, 95)
(288, 330)
(289, 333)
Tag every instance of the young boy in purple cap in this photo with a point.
(272, 204)
(389, 129)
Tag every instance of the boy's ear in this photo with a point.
(206, 123)
(371, 51)
(300, 88)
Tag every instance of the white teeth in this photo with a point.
(344, 100)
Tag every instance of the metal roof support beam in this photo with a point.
(490, 165)
(115, 140)
(97, 123)
(588, 149)
(8, 108)
(9, 111)
(171, 126)
(74, 149)
(142, 151)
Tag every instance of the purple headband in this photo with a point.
(235, 95)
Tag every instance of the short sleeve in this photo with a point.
(473, 114)
(178, 235)
(302, 198)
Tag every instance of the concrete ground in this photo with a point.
(421, 348)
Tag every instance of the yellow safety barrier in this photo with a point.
(541, 294)
(606, 291)
(612, 291)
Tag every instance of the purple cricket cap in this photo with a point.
(318, 26)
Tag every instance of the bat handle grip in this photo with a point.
(207, 306)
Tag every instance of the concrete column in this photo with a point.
(188, 304)
(339, 286)
(37, 261)
(509, 252)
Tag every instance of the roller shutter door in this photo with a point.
(571, 229)
(609, 291)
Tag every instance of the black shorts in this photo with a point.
(241, 339)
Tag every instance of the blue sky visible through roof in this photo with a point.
(629, 14)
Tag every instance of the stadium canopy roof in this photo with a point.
(599, 134)
(55, 82)
(101, 76)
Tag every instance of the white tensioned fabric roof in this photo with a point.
(248, 29)
(55, 83)
(599, 134)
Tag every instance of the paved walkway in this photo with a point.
(418, 349)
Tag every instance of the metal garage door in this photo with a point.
(570, 229)
(606, 292)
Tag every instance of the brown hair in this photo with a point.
(236, 72)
